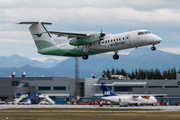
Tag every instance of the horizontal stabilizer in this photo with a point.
(46, 23)
(69, 35)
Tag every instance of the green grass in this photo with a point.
(89, 115)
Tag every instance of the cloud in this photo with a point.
(89, 15)
(25, 35)
(15, 41)
(43, 58)
(139, 5)
(171, 50)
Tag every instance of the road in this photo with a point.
(163, 108)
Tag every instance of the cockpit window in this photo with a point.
(145, 32)
(140, 33)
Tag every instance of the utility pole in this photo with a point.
(77, 78)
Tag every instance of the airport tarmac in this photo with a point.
(162, 108)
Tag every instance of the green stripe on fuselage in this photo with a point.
(54, 50)
(43, 44)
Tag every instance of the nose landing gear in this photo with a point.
(153, 48)
(115, 56)
(85, 56)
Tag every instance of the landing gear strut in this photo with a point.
(153, 48)
(85, 50)
(115, 56)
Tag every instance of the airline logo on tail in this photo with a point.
(106, 91)
(39, 35)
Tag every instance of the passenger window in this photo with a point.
(111, 40)
(116, 39)
(99, 42)
(94, 43)
(119, 39)
(127, 37)
(105, 41)
(108, 41)
(123, 38)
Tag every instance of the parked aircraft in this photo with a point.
(80, 44)
(130, 99)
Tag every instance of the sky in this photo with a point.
(161, 17)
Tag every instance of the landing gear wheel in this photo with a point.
(115, 57)
(85, 57)
(136, 104)
(153, 48)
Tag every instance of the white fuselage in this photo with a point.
(130, 99)
(115, 42)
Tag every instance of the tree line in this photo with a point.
(143, 74)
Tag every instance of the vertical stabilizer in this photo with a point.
(106, 91)
(40, 35)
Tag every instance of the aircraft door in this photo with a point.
(127, 39)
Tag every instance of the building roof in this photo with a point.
(129, 83)
(125, 84)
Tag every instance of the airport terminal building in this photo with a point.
(63, 88)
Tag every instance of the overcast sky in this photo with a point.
(161, 17)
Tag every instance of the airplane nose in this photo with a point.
(158, 39)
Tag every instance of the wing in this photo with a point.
(69, 35)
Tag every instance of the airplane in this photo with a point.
(130, 99)
(81, 44)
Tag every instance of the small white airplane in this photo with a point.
(80, 44)
(130, 99)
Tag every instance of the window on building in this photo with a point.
(171, 86)
(109, 87)
(154, 86)
(125, 88)
(122, 88)
(44, 88)
(59, 88)
(15, 83)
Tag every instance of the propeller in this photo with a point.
(102, 35)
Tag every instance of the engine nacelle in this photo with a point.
(85, 40)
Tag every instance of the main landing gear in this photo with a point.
(85, 50)
(115, 56)
(153, 48)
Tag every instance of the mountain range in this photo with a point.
(142, 58)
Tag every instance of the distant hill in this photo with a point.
(128, 62)
(142, 58)
(144, 50)
(19, 61)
